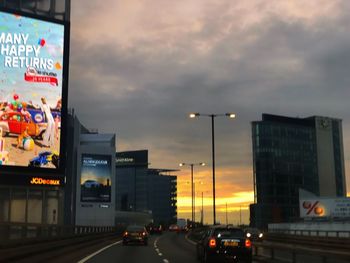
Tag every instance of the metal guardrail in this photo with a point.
(310, 241)
(41, 243)
(323, 255)
(317, 233)
(12, 234)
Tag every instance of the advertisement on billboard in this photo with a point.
(31, 66)
(95, 178)
(325, 207)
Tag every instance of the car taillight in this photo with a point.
(212, 243)
(143, 233)
(248, 243)
(126, 233)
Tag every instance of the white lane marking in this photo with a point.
(158, 251)
(99, 251)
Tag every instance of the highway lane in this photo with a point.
(169, 247)
(165, 248)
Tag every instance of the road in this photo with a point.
(169, 247)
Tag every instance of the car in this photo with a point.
(224, 243)
(254, 234)
(155, 229)
(135, 234)
(17, 123)
(174, 228)
(91, 184)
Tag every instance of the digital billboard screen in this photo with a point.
(95, 178)
(31, 87)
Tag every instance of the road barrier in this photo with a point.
(14, 234)
(19, 241)
(260, 249)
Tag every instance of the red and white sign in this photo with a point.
(324, 207)
(32, 76)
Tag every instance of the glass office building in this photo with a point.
(141, 189)
(292, 153)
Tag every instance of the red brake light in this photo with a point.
(125, 234)
(248, 243)
(212, 243)
(143, 233)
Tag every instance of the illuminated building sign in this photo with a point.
(31, 181)
(124, 160)
(43, 181)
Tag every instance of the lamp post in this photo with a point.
(212, 116)
(202, 212)
(192, 184)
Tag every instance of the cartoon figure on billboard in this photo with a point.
(31, 55)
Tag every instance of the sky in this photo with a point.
(139, 67)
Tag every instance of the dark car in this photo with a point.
(222, 243)
(135, 234)
(254, 234)
(156, 229)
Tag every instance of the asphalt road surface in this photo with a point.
(169, 247)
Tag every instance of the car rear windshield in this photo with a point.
(238, 233)
(135, 228)
(253, 231)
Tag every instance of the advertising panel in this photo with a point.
(95, 181)
(31, 86)
(324, 207)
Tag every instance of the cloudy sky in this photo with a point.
(138, 67)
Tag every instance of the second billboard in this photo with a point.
(95, 178)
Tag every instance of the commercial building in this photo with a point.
(32, 174)
(163, 195)
(90, 176)
(292, 153)
(140, 189)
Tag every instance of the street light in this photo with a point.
(212, 116)
(192, 185)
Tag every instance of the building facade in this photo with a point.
(90, 176)
(132, 181)
(163, 195)
(25, 196)
(45, 8)
(292, 153)
(140, 189)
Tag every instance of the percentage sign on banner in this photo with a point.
(313, 207)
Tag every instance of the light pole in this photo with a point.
(212, 116)
(192, 184)
(202, 212)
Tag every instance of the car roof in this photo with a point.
(225, 227)
(135, 227)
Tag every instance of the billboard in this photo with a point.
(31, 91)
(95, 180)
(324, 207)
